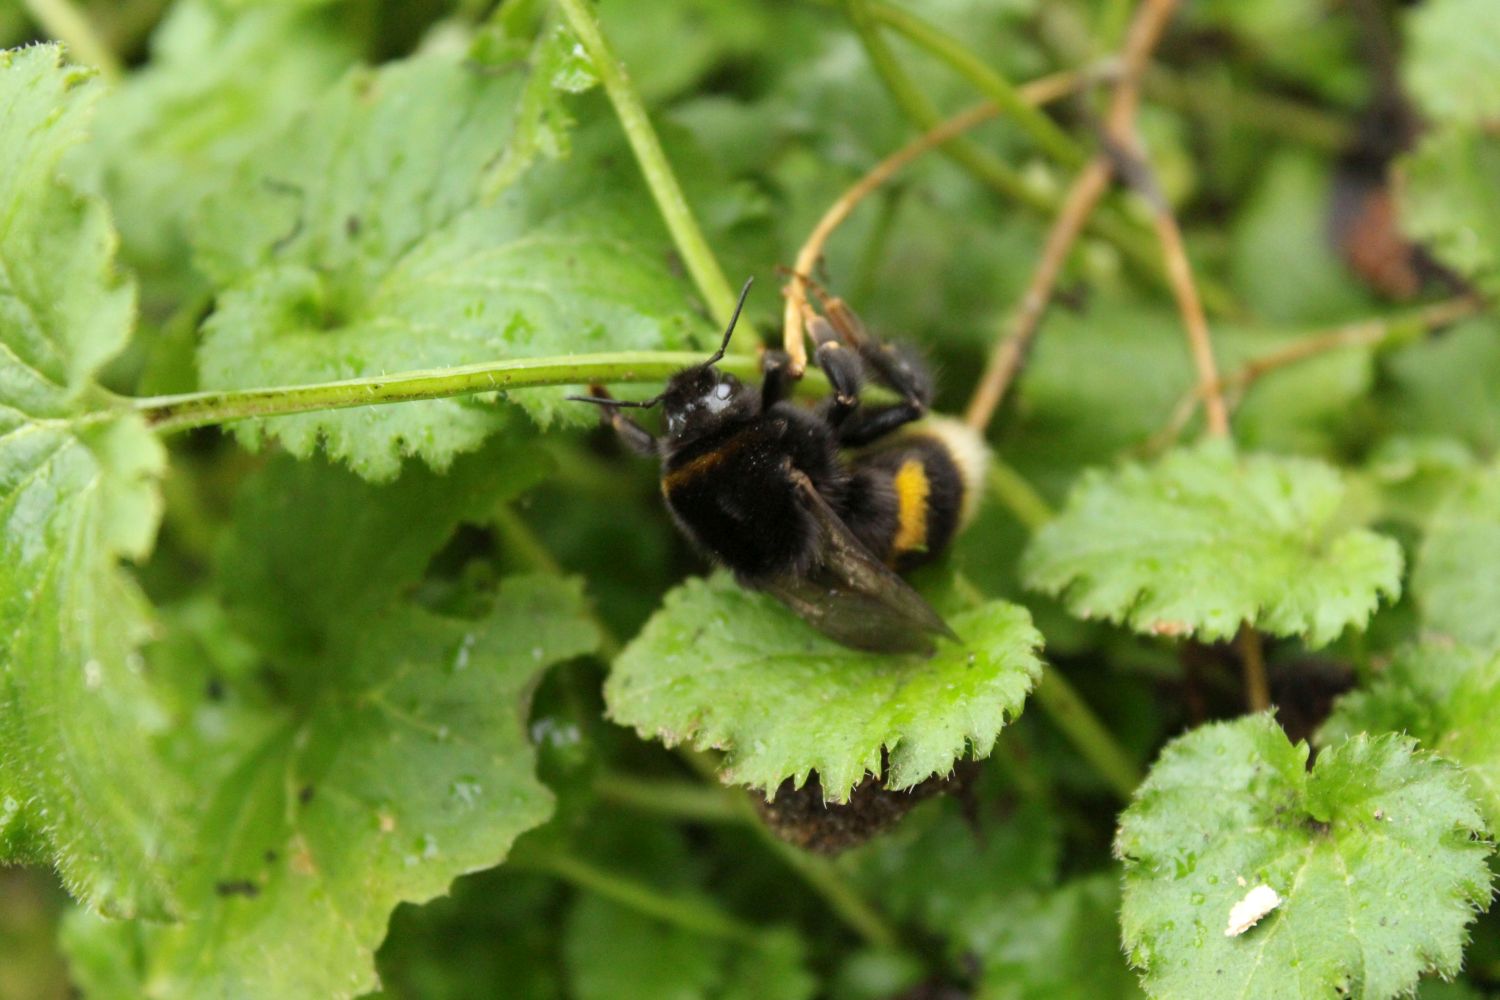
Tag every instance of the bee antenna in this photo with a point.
(729, 332)
(644, 404)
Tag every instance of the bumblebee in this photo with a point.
(819, 507)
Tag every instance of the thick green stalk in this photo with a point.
(689, 913)
(682, 800)
(816, 871)
(1078, 723)
(199, 409)
(696, 254)
(1046, 133)
(1089, 737)
(965, 152)
(1018, 496)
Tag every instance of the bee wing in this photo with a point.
(849, 595)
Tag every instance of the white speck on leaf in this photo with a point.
(1247, 912)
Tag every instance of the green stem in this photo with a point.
(1114, 17)
(199, 409)
(1078, 723)
(1018, 496)
(700, 260)
(965, 152)
(63, 21)
(689, 913)
(1222, 103)
(846, 903)
(826, 880)
(529, 550)
(1133, 241)
(522, 543)
(1082, 727)
(683, 800)
(1043, 130)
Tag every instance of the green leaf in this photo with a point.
(502, 922)
(1111, 378)
(722, 667)
(1448, 386)
(1457, 576)
(1445, 696)
(987, 882)
(1280, 255)
(1445, 200)
(613, 952)
(1412, 476)
(403, 763)
(1297, 40)
(314, 547)
(948, 871)
(1375, 853)
(355, 244)
(78, 785)
(1057, 945)
(218, 84)
(1452, 60)
(1206, 540)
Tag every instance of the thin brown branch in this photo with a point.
(1135, 166)
(1180, 271)
(1038, 92)
(1146, 28)
(1366, 333)
(1005, 360)
(1257, 688)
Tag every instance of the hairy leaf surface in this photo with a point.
(356, 243)
(220, 81)
(1375, 853)
(403, 764)
(79, 786)
(1207, 539)
(1448, 698)
(721, 667)
(314, 547)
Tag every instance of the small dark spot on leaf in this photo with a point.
(237, 887)
(353, 225)
(214, 689)
(305, 795)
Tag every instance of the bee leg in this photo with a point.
(873, 423)
(632, 435)
(892, 367)
(777, 382)
(845, 370)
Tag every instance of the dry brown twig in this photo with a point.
(1366, 333)
(797, 310)
(1136, 169)
(1146, 28)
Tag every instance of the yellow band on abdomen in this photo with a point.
(911, 507)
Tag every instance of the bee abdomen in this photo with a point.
(918, 491)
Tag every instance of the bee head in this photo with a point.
(698, 400)
(701, 399)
